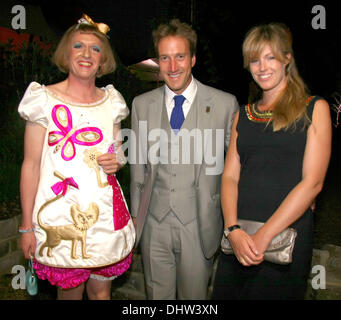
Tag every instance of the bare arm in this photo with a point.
(242, 244)
(315, 165)
(29, 180)
(230, 179)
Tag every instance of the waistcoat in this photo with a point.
(174, 185)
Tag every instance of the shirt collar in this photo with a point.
(189, 92)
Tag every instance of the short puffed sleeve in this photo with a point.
(32, 106)
(120, 109)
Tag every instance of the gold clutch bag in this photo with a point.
(279, 250)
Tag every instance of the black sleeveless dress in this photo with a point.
(271, 166)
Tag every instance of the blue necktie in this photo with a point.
(177, 116)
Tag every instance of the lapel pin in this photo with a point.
(208, 109)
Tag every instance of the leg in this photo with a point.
(83, 244)
(71, 294)
(98, 289)
(193, 269)
(49, 252)
(43, 246)
(73, 249)
(158, 260)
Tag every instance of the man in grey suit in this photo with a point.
(175, 182)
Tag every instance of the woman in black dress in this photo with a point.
(275, 167)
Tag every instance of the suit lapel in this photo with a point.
(205, 107)
(154, 123)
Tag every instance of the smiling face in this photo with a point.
(176, 62)
(84, 55)
(268, 72)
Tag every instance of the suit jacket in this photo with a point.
(215, 110)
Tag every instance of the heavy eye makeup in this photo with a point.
(77, 45)
(96, 48)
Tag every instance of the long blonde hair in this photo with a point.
(290, 105)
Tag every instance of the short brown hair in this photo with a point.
(176, 28)
(61, 55)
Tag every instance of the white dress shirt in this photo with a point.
(189, 95)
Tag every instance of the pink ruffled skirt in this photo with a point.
(70, 278)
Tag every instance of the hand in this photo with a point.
(28, 244)
(260, 240)
(244, 248)
(110, 163)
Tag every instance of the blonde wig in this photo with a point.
(61, 55)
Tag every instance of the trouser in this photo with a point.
(174, 264)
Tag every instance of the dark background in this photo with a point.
(221, 26)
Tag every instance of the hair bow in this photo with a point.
(101, 27)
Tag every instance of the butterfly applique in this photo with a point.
(69, 135)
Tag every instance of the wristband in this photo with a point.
(228, 230)
(24, 230)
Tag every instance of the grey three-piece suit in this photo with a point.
(175, 196)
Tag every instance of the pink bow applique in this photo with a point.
(62, 186)
(68, 135)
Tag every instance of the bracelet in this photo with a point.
(24, 230)
(228, 230)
